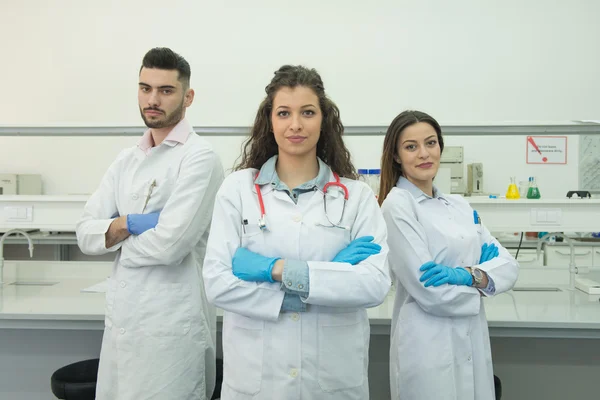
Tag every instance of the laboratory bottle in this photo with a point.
(363, 175)
(513, 192)
(374, 179)
(533, 192)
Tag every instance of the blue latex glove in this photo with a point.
(438, 275)
(252, 267)
(488, 252)
(358, 250)
(140, 223)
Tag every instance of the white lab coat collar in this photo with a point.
(417, 193)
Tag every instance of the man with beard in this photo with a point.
(153, 208)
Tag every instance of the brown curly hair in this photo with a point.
(261, 144)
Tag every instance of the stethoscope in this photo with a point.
(262, 222)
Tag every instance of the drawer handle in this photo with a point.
(576, 254)
(527, 259)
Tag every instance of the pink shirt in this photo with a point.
(179, 134)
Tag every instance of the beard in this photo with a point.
(169, 120)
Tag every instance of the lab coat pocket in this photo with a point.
(428, 336)
(343, 345)
(253, 238)
(479, 231)
(333, 239)
(156, 192)
(243, 353)
(166, 309)
(111, 291)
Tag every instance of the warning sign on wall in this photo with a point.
(546, 149)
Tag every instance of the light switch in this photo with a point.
(545, 216)
(542, 216)
(18, 213)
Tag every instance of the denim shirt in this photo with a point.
(295, 279)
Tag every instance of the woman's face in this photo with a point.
(418, 151)
(296, 120)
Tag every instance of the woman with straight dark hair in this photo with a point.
(442, 260)
(297, 252)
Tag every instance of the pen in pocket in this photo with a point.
(152, 185)
(476, 218)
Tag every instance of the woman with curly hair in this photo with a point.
(297, 252)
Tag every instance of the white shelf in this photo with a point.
(542, 202)
(61, 213)
(565, 215)
(49, 213)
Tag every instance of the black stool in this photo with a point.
(219, 381)
(498, 387)
(76, 381)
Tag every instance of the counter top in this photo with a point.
(63, 306)
(17, 198)
(69, 238)
(46, 238)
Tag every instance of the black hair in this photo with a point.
(165, 58)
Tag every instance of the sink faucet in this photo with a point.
(572, 268)
(7, 234)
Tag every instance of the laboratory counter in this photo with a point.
(51, 298)
(69, 238)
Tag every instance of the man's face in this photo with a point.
(162, 98)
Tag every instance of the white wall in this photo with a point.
(75, 62)
(75, 165)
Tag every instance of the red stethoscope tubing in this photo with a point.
(337, 183)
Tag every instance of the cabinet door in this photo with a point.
(559, 256)
(528, 258)
(596, 256)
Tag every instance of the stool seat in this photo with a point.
(76, 381)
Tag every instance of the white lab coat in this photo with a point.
(320, 354)
(440, 347)
(160, 332)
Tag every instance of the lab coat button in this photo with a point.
(300, 286)
(293, 372)
(295, 317)
(289, 283)
(297, 218)
(134, 196)
(122, 331)
(469, 358)
(123, 284)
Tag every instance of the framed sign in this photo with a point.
(546, 150)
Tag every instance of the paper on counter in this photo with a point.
(587, 121)
(97, 288)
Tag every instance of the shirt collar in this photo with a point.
(417, 193)
(179, 134)
(268, 175)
